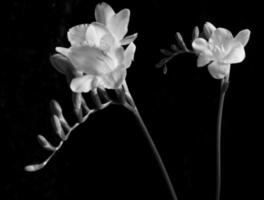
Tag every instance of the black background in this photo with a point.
(108, 157)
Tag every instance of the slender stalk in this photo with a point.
(132, 107)
(223, 89)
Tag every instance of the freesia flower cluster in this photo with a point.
(97, 53)
(220, 49)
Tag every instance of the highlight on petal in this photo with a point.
(203, 60)
(208, 29)
(201, 46)
(82, 84)
(221, 37)
(129, 54)
(63, 51)
(91, 36)
(219, 70)
(118, 24)
(236, 54)
(243, 37)
(76, 35)
(103, 13)
(129, 39)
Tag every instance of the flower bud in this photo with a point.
(60, 63)
(45, 144)
(66, 128)
(208, 29)
(180, 41)
(63, 65)
(85, 107)
(166, 52)
(103, 94)
(77, 102)
(162, 62)
(174, 47)
(196, 32)
(96, 99)
(57, 126)
(56, 108)
(33, 168)
(165, 69)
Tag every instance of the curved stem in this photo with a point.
(223, 89)
(132, 107)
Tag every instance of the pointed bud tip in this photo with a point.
(196, 32)
(56, 108)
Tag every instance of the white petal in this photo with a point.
(219, 70)
(118, 24)
(203, 60)
(129, 54)
(107, 42)
(243, 37)
(76, 35)
(119, 55)
(91, 36)
(208, 28)
(129, 39)
(82, 84)
(201, 46)
(63, 51)
(221, 37)
(90, 60)
(103, 13)
(236, 54)
(97, 34)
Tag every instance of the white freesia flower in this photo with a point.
(221, 50)
(97, 56)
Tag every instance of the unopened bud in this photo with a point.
(96, 99)
(162, 62)
(103, 94)
(33, 168)
(66, 127)
(180, 41)
(208, 29)
(45, 144)
(196, 32)
(77, 102)
(63, 65)
(174, 47)
(56, 124)
(166, 52)
(56, 108)
(85, 107)
(60, 63)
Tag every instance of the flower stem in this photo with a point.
(132, 107)
(223, 89)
